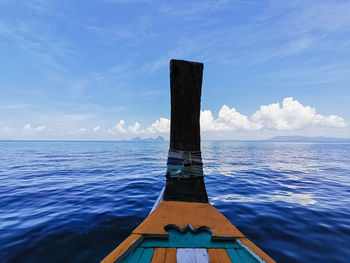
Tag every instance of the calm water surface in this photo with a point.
(76, 201)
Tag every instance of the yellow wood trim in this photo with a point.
(159, 255)
(170, 256)
(128, 243)
(256, 250)
(184, 213)
(218, 255)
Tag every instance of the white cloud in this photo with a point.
(159, 126)
(208, 123)
(228, 120)
(135, 128)
(28, 128)
(235, 120)
(118, 128)
(291, 116)
(40, 128)
(288, 116)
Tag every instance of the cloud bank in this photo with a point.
(290, 115)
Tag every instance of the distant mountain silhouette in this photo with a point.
(307, 139)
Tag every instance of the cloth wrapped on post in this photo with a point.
(184, 164)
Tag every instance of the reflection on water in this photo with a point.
(293, 169)
(303, 199)
(75, 201)
(288, 197)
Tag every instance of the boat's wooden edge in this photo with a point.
(218, 255)
(124, 249)
(184, 213)
(255, 249)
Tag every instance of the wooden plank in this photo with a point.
(195, 214)
(185, 255)
(201, 255)
(233, 255)
(218, 255)
(170, 255)
(212, 255)
(256, 250)
(124, 249)
(159, 255)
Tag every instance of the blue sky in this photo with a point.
(100, 69)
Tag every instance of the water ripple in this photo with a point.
(76, 201)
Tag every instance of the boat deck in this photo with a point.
(186, 232)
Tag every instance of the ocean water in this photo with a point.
(76, 201)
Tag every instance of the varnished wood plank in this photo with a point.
(218, 255)
(212, 254)
(256, 250)
(123, 249)
(184, 213)
(159, 255)
(170, 255)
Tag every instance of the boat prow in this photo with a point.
(186, 232)
(184, 227)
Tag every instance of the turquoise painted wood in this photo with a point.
(143, 255)
(188, 240)
(187, 245)
(147, 255)
(246, 256)
(240, 255)
(233, 255)
(135, 256)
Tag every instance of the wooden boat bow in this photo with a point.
(184, 227)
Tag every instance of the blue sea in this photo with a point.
(65, 201)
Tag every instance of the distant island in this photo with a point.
(138, 139)
(307, 139)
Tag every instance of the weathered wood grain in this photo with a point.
(184, 213)
(218, 255)
(126, 247)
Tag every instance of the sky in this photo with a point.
(99, 69)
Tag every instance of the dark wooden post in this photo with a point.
(185, 87)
